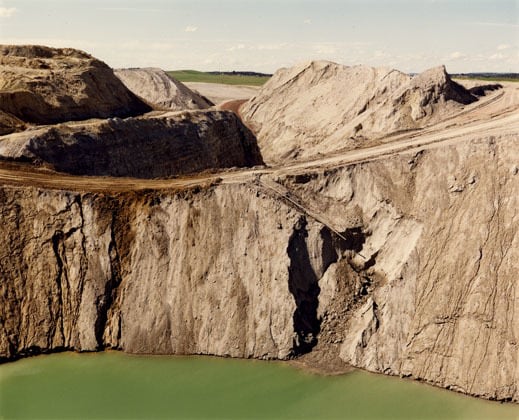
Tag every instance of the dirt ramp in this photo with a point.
(322, 107)
(157, 87)
(42, 85)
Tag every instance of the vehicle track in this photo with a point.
(498, 115)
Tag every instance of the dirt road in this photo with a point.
(497, 114)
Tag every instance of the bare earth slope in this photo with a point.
(144, 147)
(421, 282)
(157, 87)
(322, 107)
(43, 85)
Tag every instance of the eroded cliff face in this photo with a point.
(434, 294)
(163, 145)
(154, 273)
(405, 265)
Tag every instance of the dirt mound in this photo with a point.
(157, 87)
(143, 147)
(43, 85)
(322, 107)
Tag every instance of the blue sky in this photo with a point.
(263, 35)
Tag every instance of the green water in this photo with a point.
(114, 385)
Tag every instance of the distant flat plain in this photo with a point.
(224, 78)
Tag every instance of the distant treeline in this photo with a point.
(488, 76)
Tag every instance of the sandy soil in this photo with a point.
(496, 115)
(158, 88)
(320, 107)
(218, 93)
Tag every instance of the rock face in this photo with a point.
(421, 281)
(322, 107)
(158, 88)
(9, 123)
(434, 295)
(156, 273)
(43, 85)
(146, 147)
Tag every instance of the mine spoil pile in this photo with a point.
(157, 87)
(402, 262)
(44, 85)
(41, 86)
(149, 147)
(322, 107)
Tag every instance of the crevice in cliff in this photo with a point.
(303, 285)
(83, 263)
(352, 239)
(57, 240)
(105, 301)
(328, 250)
(68, 297)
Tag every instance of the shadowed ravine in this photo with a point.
(304, 286)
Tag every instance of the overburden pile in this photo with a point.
(322, 107)
(160, 89)
(42, 85)
(67, 111)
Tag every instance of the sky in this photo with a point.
(264, 35)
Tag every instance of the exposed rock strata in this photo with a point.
(435, 294)
(157, 273)
(158, 88)
(43, 85)
(147, 147)
(321, 107)
(422, 283)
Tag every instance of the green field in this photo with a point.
(227, 79)
(495, 78)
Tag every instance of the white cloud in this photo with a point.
(236, 47)
(128, 9)
(191, 28)
(456, 55)
(307, 21)
(148, 46)
(502, 47)
(6, 12)
(498, 24)
(497, 56)
(325, 48)
(271, 47)
(381, 54)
